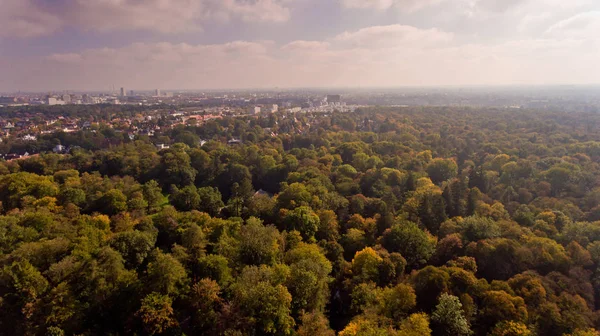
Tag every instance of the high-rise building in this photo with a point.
(53, 101)
(123, 92)
(157, 92)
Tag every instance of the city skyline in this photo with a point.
(263, 44)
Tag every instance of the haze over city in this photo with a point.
(208, 44)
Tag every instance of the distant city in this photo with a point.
(310, 100)
(29, 121)
(253, 102)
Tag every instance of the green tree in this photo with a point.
(113, 202)
(309, 278)
(476, 228)
(153, 195)
(294, 195)
(304, 220)
(366, 265)
(259, 244)
(134, 246)
(414, 244)
(176, 167)
(214, 267)
(210, 200)
(166, 275)
(186, 199)
(440, 170)
(559, 179)
(398, 301)
(263, 303)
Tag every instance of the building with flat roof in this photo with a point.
(53, 101)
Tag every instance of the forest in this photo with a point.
(449, 221)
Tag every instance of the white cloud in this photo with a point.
(534, 21)
(582, 25)
(27, 18)
(499, 5)
(394, 35)
(66, 58)
(373, 56)
(306, 46)
(259, 10)
(376, 4)
(515, 42)
(403, 5)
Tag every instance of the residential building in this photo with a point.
(58, 149)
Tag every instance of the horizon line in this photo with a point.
(320, 88)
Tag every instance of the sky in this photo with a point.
(218, 44)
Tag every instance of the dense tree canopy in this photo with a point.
(385, 221)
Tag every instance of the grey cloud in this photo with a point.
(319, 63)
(21, 18)
(26, 18)
(524, 42)
(334, 62)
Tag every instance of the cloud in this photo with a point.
(151, 54)
(375, 4)
(457, 42)
(21, 18)
(259, 10)
(166, 65)
(306, 46)
(373, 56)
(394, 35)
(403, 5)
(66, 58)
(499, 5)
(582, 25)
(29, 18)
